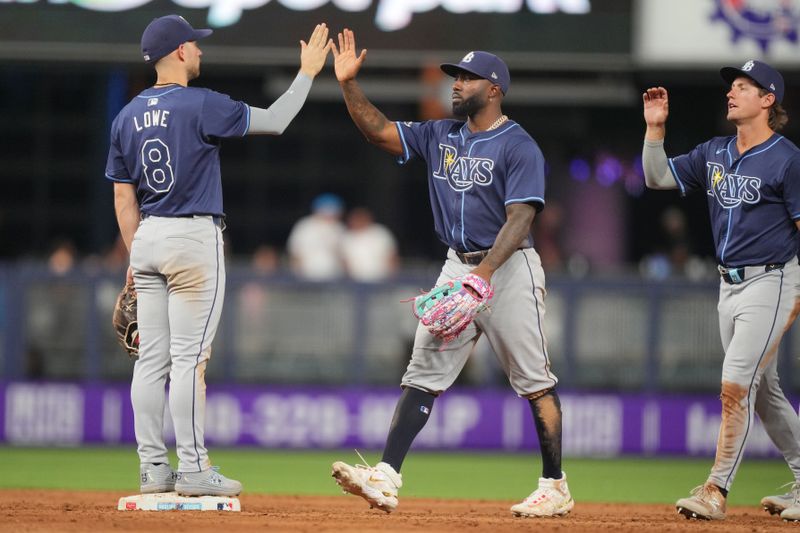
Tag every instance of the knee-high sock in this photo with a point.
(546, 411)
(410, 416)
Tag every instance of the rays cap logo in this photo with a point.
(762, 21)
(764, 75)
(483, 64)
(165, 34)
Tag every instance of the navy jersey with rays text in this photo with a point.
(472, 177)
(753, 198)
(166, 143)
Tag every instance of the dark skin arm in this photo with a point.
(378, 129)
(519, 219)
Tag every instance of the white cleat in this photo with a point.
(778, 503)
(377, 484)
(156, 478)
(206, 483)
(551, 498)
(791, 513)
(705, 503)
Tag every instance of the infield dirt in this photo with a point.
(45, 510)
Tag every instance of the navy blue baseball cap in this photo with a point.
(165, 34)
(761, 73)
(482, 64)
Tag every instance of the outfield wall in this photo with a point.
(620, 334)
(66, 414)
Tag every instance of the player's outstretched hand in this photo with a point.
(656, 106)
(313, 53)
(346, 62)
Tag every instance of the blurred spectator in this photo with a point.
(62, 259)
(253, 313)
(266, 260)
(113, 259)
(315, 240)
(434, 102)
(547, 236)
(369, 249)
(674, 257)
(55, 312)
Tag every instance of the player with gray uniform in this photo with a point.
(752, 183)
(164, 162)
(486, 182)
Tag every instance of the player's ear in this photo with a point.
(768, 99)
(181, 52)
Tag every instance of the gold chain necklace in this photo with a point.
(497, 123)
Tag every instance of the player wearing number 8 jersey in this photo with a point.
(752, 184)
(164, 162)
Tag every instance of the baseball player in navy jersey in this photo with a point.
(486, 182)
(164, 162)
(752, 184)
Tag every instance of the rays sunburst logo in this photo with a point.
(716, 177)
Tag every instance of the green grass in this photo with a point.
(441, 475)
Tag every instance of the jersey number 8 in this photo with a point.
(157, 169)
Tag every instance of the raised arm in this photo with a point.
(373, 124)
(275, 119)
(657, 174)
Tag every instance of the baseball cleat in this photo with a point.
(551, 498)
(378, 484)
(156, 478)
(791, 513)
(206, 483)
(776, 504)
(705, 503)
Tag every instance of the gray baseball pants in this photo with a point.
(179, 274)
(513, 325)
(753, 316)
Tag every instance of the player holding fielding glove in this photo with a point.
(164, 162)
(486, 179)
(752, 184)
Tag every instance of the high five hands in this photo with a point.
(314, 53)
(346, 62)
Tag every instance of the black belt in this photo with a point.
(218, 220)
(474, 258)
(737, 275)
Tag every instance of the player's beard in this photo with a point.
(469, 106)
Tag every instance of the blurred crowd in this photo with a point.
(322, 248)
(328, 244)
(334, 243)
